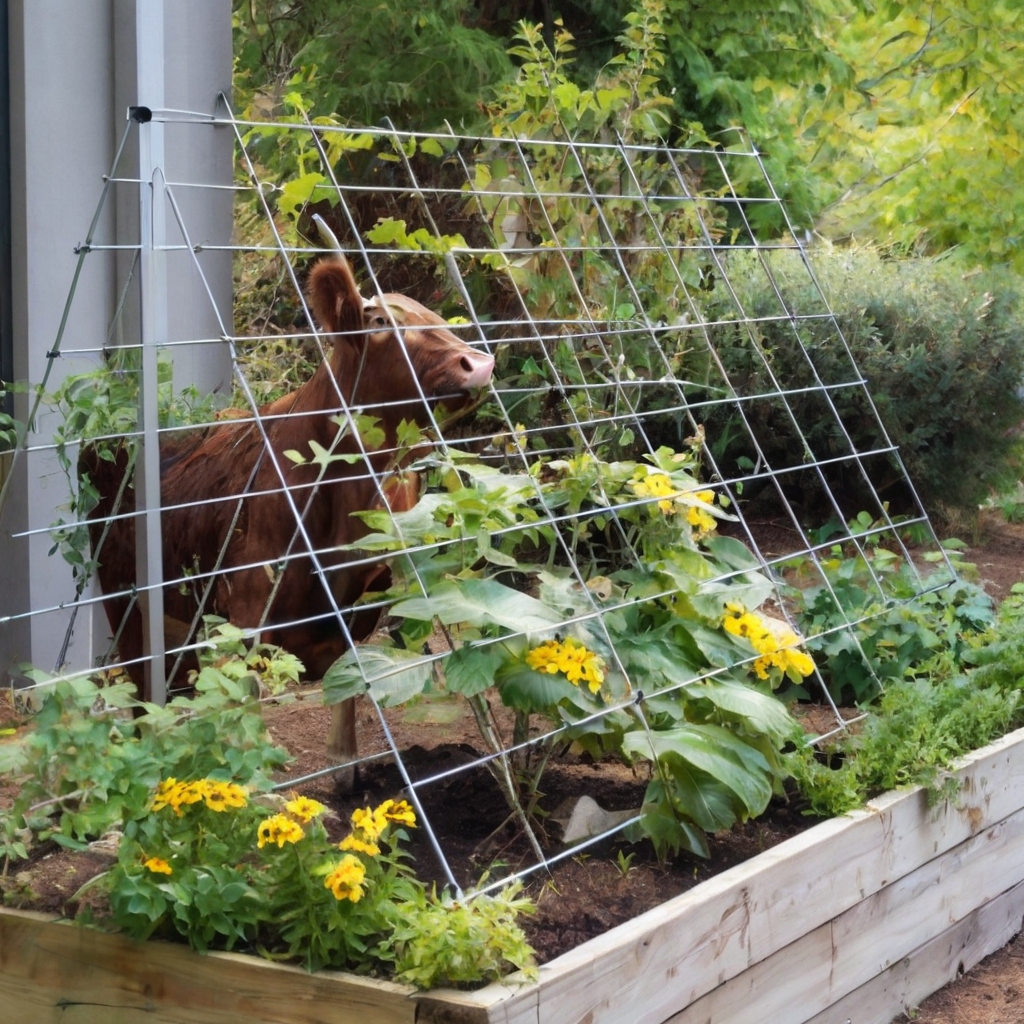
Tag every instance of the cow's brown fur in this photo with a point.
(202, 477)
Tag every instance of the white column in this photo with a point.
(75, 68)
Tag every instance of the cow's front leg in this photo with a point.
(341, 743)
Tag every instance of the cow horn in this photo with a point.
(327, 236)
(330, 239)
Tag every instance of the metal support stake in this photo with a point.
(149, 36)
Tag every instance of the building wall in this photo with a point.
(73, 72)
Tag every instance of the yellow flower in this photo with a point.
(370, 823)
(775, 642)
(219, 796)
(164, 791)
(158, 866)
(659, 485)
(353, 842)
(280, 829)
(656, 485)
(800, 661)
(571, 658)
(345, 879)
(304, 809)
(398, 811)
(192, 792)
(703, 522)
(222, 795)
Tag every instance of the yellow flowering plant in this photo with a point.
(332, 903)
(774, 641)
(181, 868)
(207, 853)
(208, 862)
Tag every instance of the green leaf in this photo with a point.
(492, 554)
(392, 674)
(709, 803)
(764, 713)
(408, 434)
(481, 603)
(713, 750)
(389, 231)
(669, 834)
(68, 842)
(297, 193)
(525, 689)
(471, 670)
(721, 650)
(370, 431)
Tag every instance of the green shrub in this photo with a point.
(899, 621)
(433, 66)
(922, 724)
(942, 353)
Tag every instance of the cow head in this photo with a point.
(390, 352)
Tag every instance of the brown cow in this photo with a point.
(381, 372)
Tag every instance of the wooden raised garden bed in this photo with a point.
(855, 919)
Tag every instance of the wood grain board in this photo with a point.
(53, 973)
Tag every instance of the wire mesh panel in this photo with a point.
(541, 428)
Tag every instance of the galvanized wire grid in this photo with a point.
(691, 239)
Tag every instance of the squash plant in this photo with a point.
(598, 597)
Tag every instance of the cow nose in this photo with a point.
(478, 368)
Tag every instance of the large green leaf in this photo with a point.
(654, 663)
(481, 603)
(764, 713)
(470, 670)
(721, 650)
(665, 827)
(712, 805)
(732, 553)
(749, 587)
(525, 689)
(713, 750)
(391, 674)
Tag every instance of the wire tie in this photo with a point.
(82, 247)
(53, 354)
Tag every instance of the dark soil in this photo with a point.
(578, 897)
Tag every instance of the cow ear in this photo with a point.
(334, 296)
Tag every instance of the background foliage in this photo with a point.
(896, 122)
(942, 354)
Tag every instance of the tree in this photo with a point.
(420, 64)
(926, 150)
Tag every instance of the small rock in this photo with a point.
(584, 818)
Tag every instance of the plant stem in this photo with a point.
(502, 772)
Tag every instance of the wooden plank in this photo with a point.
(647, 969)
(912, 979)
(810, 975)
(877, 933)
(53, 973)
